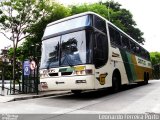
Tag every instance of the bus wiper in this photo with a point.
(54, 56)
(66, 59)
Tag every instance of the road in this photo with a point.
(132, 99)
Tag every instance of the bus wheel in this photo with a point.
(116, 82)
(146, 78)
(76, 92)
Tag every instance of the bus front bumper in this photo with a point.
(68, 83)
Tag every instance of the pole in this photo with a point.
(37, 81)
(3, 80)
(14, 64)
(37, 68)
(108, 11)
(10, 86)
(34, 69)
(22, 77)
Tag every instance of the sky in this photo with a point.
(145, 13)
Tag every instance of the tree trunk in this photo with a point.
(14, 64)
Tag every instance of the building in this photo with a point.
(3, 60)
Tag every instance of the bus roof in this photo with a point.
(71, 17)
(93, 13)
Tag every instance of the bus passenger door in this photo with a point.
(100, 58)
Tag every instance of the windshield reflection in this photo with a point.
(70, 54)
(65, 50)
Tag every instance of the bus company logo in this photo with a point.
(9, 117)
(141, 61)
(115, 54)
(101, 78)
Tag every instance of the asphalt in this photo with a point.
(16, 97)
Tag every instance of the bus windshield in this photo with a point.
(67, 25)
(66, 50)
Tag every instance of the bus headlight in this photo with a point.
(89, 71)
(84, 72)
(43, 73)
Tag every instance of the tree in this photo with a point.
(113, 12)
(155, 58)
(126, 18)
(16, 17)
(120, 17)
(56, 12)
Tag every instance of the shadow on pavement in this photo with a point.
(91, 95)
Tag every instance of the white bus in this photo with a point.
(87, 52)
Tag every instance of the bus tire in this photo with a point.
(116, 81)
(76, 92)
(146, 78)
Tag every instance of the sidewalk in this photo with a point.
(9, 98)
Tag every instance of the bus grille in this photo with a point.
(66, 73)
(53, 74)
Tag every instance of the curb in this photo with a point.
(37, 96)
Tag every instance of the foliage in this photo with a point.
(17, 18)
(114, 13)
(109, 10)
(155, 58)
(29, 47)
(7, 68)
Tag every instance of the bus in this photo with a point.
(87, 52)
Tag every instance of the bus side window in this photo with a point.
(133, 47)
(148, 56)
(137, 49)
(114, 36)
(111, 33)
(100, 24)
(142, 53)
(125, 42)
